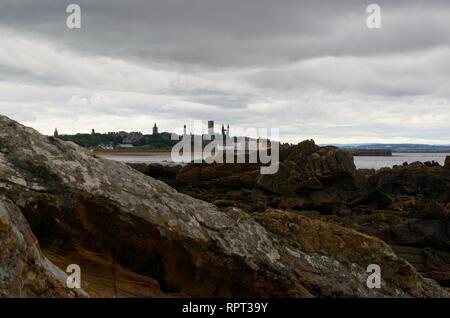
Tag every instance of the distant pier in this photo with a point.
(372, 152)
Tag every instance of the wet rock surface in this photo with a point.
(86, 209)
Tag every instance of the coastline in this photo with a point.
(133, 153)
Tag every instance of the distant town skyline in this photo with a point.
(310, 68)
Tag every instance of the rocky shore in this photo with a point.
(311, 230)
(407, 206)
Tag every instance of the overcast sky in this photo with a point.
(313, 69)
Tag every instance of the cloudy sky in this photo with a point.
(313, 69)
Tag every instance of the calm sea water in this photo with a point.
(360, 162)
(398, 159)
(159, 158)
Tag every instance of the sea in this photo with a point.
(361, 162)
(397, 158)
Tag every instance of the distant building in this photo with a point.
(93, 131)
(211, 127)
(55, 133)
(184, 130)
(108, 145)
(124, 146)
(155, 129)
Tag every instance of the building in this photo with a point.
(93, 131)
(124, 146)
(155, 129)
(107, 145)
(210, 127)
(55, 133)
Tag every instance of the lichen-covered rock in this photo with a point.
(76, 201)
(346, 247)
(24, 271)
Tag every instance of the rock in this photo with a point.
(24, 271)
(432, 182)
(340, 247)
(228, 173)
(376, 198)
(447, 162)
(419, 233)
(403, 203)
(79, 204)
(429, 209)
(163, 172)
(307, 147)
(424, 243)
(292, 202)
(288, 180)
(430, 262)
(5, 220)
(306, 167)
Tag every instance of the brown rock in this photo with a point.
(307, 147)
(340, 244)
(292, 202)
(304, 169)
(189, 173)
(5, 220)
(376, 198)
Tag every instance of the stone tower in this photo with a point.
(211, 127)
(155, 129)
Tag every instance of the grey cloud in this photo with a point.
(216, 33)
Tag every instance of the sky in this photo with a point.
(313, 68)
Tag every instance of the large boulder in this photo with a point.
(307, 167)
(78, 204)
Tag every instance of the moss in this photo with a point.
(312, 235)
